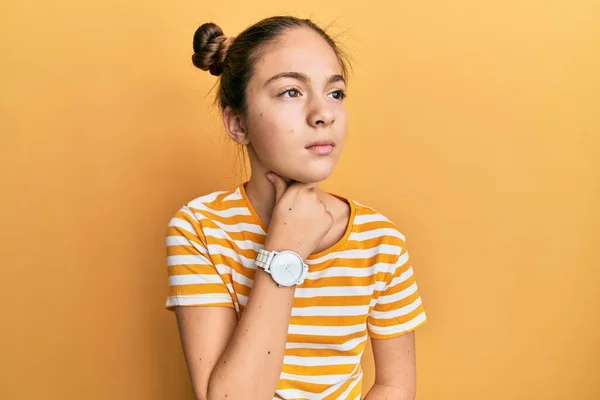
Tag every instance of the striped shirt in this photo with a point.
(361, 286)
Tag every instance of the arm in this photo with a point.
(395, 316)
(202, 355)
(395, 372)
(243, 360)
(237, 360)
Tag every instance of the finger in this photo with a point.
(324, 206)
(329, 214)
(307, 186)
(279, 184)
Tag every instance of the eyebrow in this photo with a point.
(303, 78)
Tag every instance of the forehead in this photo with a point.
(298, 50)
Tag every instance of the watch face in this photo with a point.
(286, 268)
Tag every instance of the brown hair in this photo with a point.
(233, 58)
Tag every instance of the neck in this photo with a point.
(260, 190)
(261, 194)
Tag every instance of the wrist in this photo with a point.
(286, 267)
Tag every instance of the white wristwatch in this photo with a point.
(285, 267)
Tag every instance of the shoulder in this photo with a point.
(206, 206)
(217, 200)
(211, 203)
(372, 226)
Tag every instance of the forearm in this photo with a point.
(382, 392)
(251, 365)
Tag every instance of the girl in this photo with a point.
(276, 283)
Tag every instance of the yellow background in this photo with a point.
(474, 125)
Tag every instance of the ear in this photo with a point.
(235, 126)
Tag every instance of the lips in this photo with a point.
(324, 142)
(321, 146)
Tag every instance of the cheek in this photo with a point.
(270, 136)
(272, 128)
(341, 123)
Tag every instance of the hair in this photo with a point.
(233, 58)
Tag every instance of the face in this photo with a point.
(296, 116)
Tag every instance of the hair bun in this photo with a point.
(210, 48)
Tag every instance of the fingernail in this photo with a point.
(270, 177)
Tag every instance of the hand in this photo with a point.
(300, 219)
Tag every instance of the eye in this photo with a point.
(292, 93)
(339, 94)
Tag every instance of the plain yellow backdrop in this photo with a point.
(474, 125)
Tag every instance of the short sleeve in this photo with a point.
(398, 309)
(193, 278)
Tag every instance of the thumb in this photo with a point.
(279, 184)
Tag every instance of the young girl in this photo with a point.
(276, 283)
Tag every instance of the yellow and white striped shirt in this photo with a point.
(362, 285)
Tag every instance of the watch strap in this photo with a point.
(264, 259)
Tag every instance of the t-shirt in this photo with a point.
(362, 285)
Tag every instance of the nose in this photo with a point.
(320, 113)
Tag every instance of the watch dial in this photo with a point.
(286, 268)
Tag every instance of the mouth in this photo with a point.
(321, 147)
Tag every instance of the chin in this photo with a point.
(311, 176)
